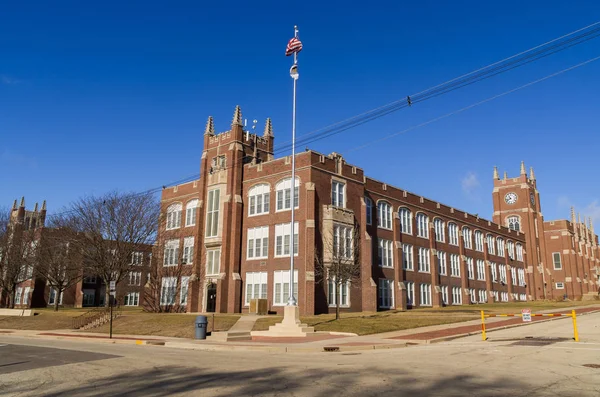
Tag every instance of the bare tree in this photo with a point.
(17, 247)
(58, 260)
(112, 227)
(339, 262)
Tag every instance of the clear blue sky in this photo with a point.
(96, 96)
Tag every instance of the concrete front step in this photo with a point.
(228, 336)
(590, 296)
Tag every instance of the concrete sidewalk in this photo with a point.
(318, 342)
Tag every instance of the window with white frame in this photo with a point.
(52, 297)
(281, 284)
(256, 286)
(444, 290)
(500, 243)
(90, 280)
(505, 297)
(557, 260)
(496, 296)
(405, 220)
(135, 278)
(513, 223)
(523, 297)
(338, 190)
(519, 252)
(188, 250)
(423, 260)
(478, 241)
(470, 268)
(343, 293)
(137, 258)
(171, 253)
(386, 293)
(213, 261)
(284, 194)
(258, 243)
(473, 295)
(26, 295)
(369, 208)
(467, 237)
(212, 213)
(454, 265)
(482, 296)
(422, 225)
(521, 276)
(425, 290)
(560, 285)
(342, 241)
(456, 296)
(407, 257)
(174, 216)
(439, 228)
(168, 290)
(183, 293)
(258, 199)
(491, 244)
(282, 239)
(410, 293)
(386, 258)
(453, 234)
(442, 263)
(131, 299)
(511, 249)
(513, 275)
(494, 272)
(191, 210)
(502, 271)
(384, 215)
(480, 269)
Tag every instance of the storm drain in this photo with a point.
(331, 348)
(597, 366)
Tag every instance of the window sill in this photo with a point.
(385, 307)
(341, 306)
(259, 214)
(424, 272)
(284, 256)
(423, 237)
(173, 228)
(409, 270)
(455, 276)
(190, 225)
(407, 233)
(286, 209)
(386, 267)
(174, 265)
(258, 258)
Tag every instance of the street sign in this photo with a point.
(526, 315)
(113, 287)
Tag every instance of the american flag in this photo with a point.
(294, 46)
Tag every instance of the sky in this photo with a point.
(112, 95)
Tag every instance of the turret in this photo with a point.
(523, 172)
(496, 176)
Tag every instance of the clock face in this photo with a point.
(510, 198)
(532, 198)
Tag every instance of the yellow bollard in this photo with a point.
(483, 337)
(575, 332)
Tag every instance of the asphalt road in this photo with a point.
(537, 360)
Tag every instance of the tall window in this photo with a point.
(258, 200)
(191, 210)
(425, 290)
(470, 268)
(386, 258)
(453, 234)
(188, 250)
(212, 213)
(479, 241)
(439, 228)
(480, 269)
(513, 275)
(174, 216)
(168, 290)
(342, 241)
(256, 286)
(405, 220)
(282, 239)
(422, 225)
(284, 194)
(511, 249)
(482, 296)
(494, 272)
(369, 205)
(281, 290)
(467, 237)
(171, 253)
(410, 293)
(131, 299)
(26, 295)
(183, 290)
(18, 294)
(137, 258)
(258, 243)
(454, 265)
(343, 291)
(442, 264)
(135, 278)
(52, 297)
(456, 296)
(337, 194)
(384, 215)
(444, 289)
(521, 276)
(500, 243)
(557, 260)
(424, 263)
(473, 295)
(386, 293)
(513, 223)
(491, 244)
(213, 261)
(407, 257)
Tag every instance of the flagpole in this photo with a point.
(294, 75)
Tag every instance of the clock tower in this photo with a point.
(517, 206)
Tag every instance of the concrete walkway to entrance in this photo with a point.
(245, 323)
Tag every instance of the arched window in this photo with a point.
(284, 191)
(478, 241)
(405, 220)
(422, 225)
(191, 209)
(452, 233)
(491, 243)
(467, 237)
(511, 249)
(500, 243)
(384, 215)
(369, 205)
(519, 252)
(514, 223)
(439, 227)
(174, 216)
(258, 199)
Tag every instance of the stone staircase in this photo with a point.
(95, 318)
(241, 330)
